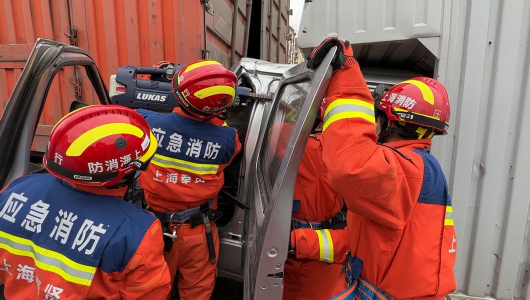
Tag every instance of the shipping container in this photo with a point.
(134, 32)
(479, 49)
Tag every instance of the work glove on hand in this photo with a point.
(343, 56)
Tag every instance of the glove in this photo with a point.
(343, 57)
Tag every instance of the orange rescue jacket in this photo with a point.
(313, 198)
(399, 209)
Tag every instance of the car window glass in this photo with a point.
(279, 132)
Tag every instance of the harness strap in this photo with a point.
(359, 287)
(303, 223)
(168, 242)
(183, 215)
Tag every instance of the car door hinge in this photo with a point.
(205, 54)
(76, 82)
(71, 34)
(208, 6)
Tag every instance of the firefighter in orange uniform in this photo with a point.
(186, 173)
(316, 207)
(400, 226)
(69, 234)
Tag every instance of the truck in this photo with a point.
(135, 32)
(479, 50)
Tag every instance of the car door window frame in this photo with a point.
(26, 103)
(271, 243)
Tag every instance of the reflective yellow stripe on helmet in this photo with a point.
(348, 108)
(427, 116)
(201, 64)
(215, 90)
(152, 148)
(95, 134)
(48, 260)
(426, 91)
(326, 245)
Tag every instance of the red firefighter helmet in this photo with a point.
(204, 88)
(99, 145)
(421, 102)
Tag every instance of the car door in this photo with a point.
(19, 121)
(263, 79)
(271, 174)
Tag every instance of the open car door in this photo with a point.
(263, 79)
(272, 164)
(20, 119)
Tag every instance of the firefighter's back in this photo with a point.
(58, 242)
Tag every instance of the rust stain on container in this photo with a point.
(129, 32)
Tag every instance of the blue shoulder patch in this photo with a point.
(127, 239)
(434, 189)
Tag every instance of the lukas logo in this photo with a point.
(80, 177)
(150, 97)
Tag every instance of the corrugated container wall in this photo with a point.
(134, 32)
(483, 58)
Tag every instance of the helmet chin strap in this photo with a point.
(383, 121)
(128, 180)
(408, 131)
(130, 184)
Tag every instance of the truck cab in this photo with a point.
(254, 236)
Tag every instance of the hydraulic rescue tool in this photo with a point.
(131, 87)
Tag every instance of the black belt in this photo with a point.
(338, 221)
(202, 216)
